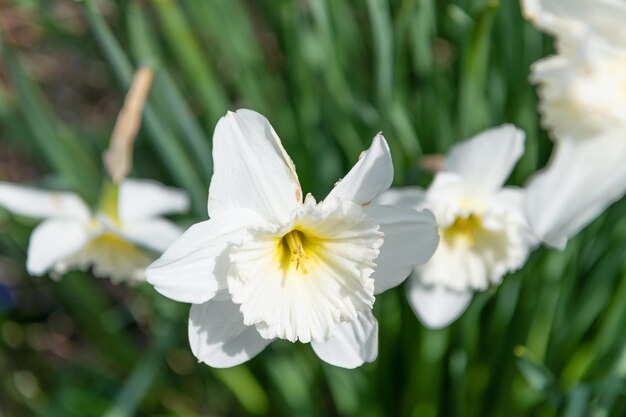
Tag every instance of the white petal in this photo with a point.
(156, 234)
(411, 238)
(144, 199)
(30, 202)
(486, 160)
(581, 181)
(446, 194)
(352, 344)
(53, 241)
(371, 175)
(219, 338)
(549, 15)
(405, 197)
(437, 306)
(252, 169)
(110, 255)
(194, 268)
(562, 17)
(511, 202)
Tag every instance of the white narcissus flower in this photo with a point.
(112, 241)
(484, 233)
(268, 265)
(582, 92)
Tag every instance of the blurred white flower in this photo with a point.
(484, 233)
(269, 265)
(582, 92)
(112, 241)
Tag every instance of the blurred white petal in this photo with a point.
(110, 255)
(581, 181)
(404, 197)
(156, 234)
(411, 238)
(144, 199)
(53, 241)
(437, 306)
(486, 160)
(572, 17)
(351, 344)
(30, 202)
(581, 87)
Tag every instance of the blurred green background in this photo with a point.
(329, 74)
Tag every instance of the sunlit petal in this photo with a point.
(252, 170)
(194, 268)
(371, 175)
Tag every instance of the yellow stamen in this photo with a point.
(463, 230)
(292, 245)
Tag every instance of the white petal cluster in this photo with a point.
(483, 228)
(582, 92)
(113, 241)
(270, 264)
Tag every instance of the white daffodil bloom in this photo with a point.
(269, 265)
(484, 233)
(112, 240)
(582, 92)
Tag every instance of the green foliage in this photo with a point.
(329, 74)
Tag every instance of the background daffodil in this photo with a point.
(113, 240)
(482, 223)
(582, 91)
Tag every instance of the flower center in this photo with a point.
(113, 243)
(292, 251)
(300, 282)
(110, 256)
(463, 231)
